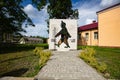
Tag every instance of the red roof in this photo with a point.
(93, 25)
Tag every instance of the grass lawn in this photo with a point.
(18, 64)
(18, 60)
(111, 56)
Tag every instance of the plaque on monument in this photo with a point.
(63, 34)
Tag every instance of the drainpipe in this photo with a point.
(90, 37)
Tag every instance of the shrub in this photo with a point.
(38, 50)
(43, 55)
(10, 47)
(89, 52)
(88, 56)
(102, 67)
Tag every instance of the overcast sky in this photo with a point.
(87, 13)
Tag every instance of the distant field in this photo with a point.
(111, 56)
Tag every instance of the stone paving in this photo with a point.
(67, 66)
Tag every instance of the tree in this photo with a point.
(60, 9)
(12, 17)
(57, 9)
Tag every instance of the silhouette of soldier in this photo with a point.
(64, 35)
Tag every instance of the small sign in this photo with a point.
(52, 40)
(72, 40)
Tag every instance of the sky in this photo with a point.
(87, 13)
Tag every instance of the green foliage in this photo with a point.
(43, 55)
(111, 56)
(38, 50)
(88, 55)
(57, 8)
(102, 67)
(12, 17)
(61, 9)
(6, 48)
(39, 3)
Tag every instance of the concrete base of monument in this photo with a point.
(63, 47)
(63, 50)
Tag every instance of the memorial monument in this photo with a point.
(63, 34)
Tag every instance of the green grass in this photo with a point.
(17, 64)
(111, 56)
(18, 60)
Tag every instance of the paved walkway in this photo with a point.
(16, 78)
(67, 66)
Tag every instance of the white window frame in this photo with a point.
(95, 35)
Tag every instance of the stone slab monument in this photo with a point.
(63, 34)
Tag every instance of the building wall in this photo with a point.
(83, 40)
(109, 27)
(7, 37)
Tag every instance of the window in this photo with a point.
(95, 35)
(86, 36)
(79, 36)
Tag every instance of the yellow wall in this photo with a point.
(109, 27)
(91, 41)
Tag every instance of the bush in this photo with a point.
(7, 48)
(43, 55)
(88, 56)
(102, 67)
(38, 50)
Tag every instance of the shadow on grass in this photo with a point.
(15, 73)
(14, 58)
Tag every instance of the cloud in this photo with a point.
(88, 21)
(37, 31)
(86, 16)
(39, 19)
(107, 3)
(88, 8)
(87, 11)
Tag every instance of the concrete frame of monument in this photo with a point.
(64, 35)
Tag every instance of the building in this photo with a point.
(88, 34)
(30, 40)
(7, 38)
(109, 26)
(104, 33)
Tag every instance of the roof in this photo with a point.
(32, 39)
(118, 4)
(91, 26)
(36, 39)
